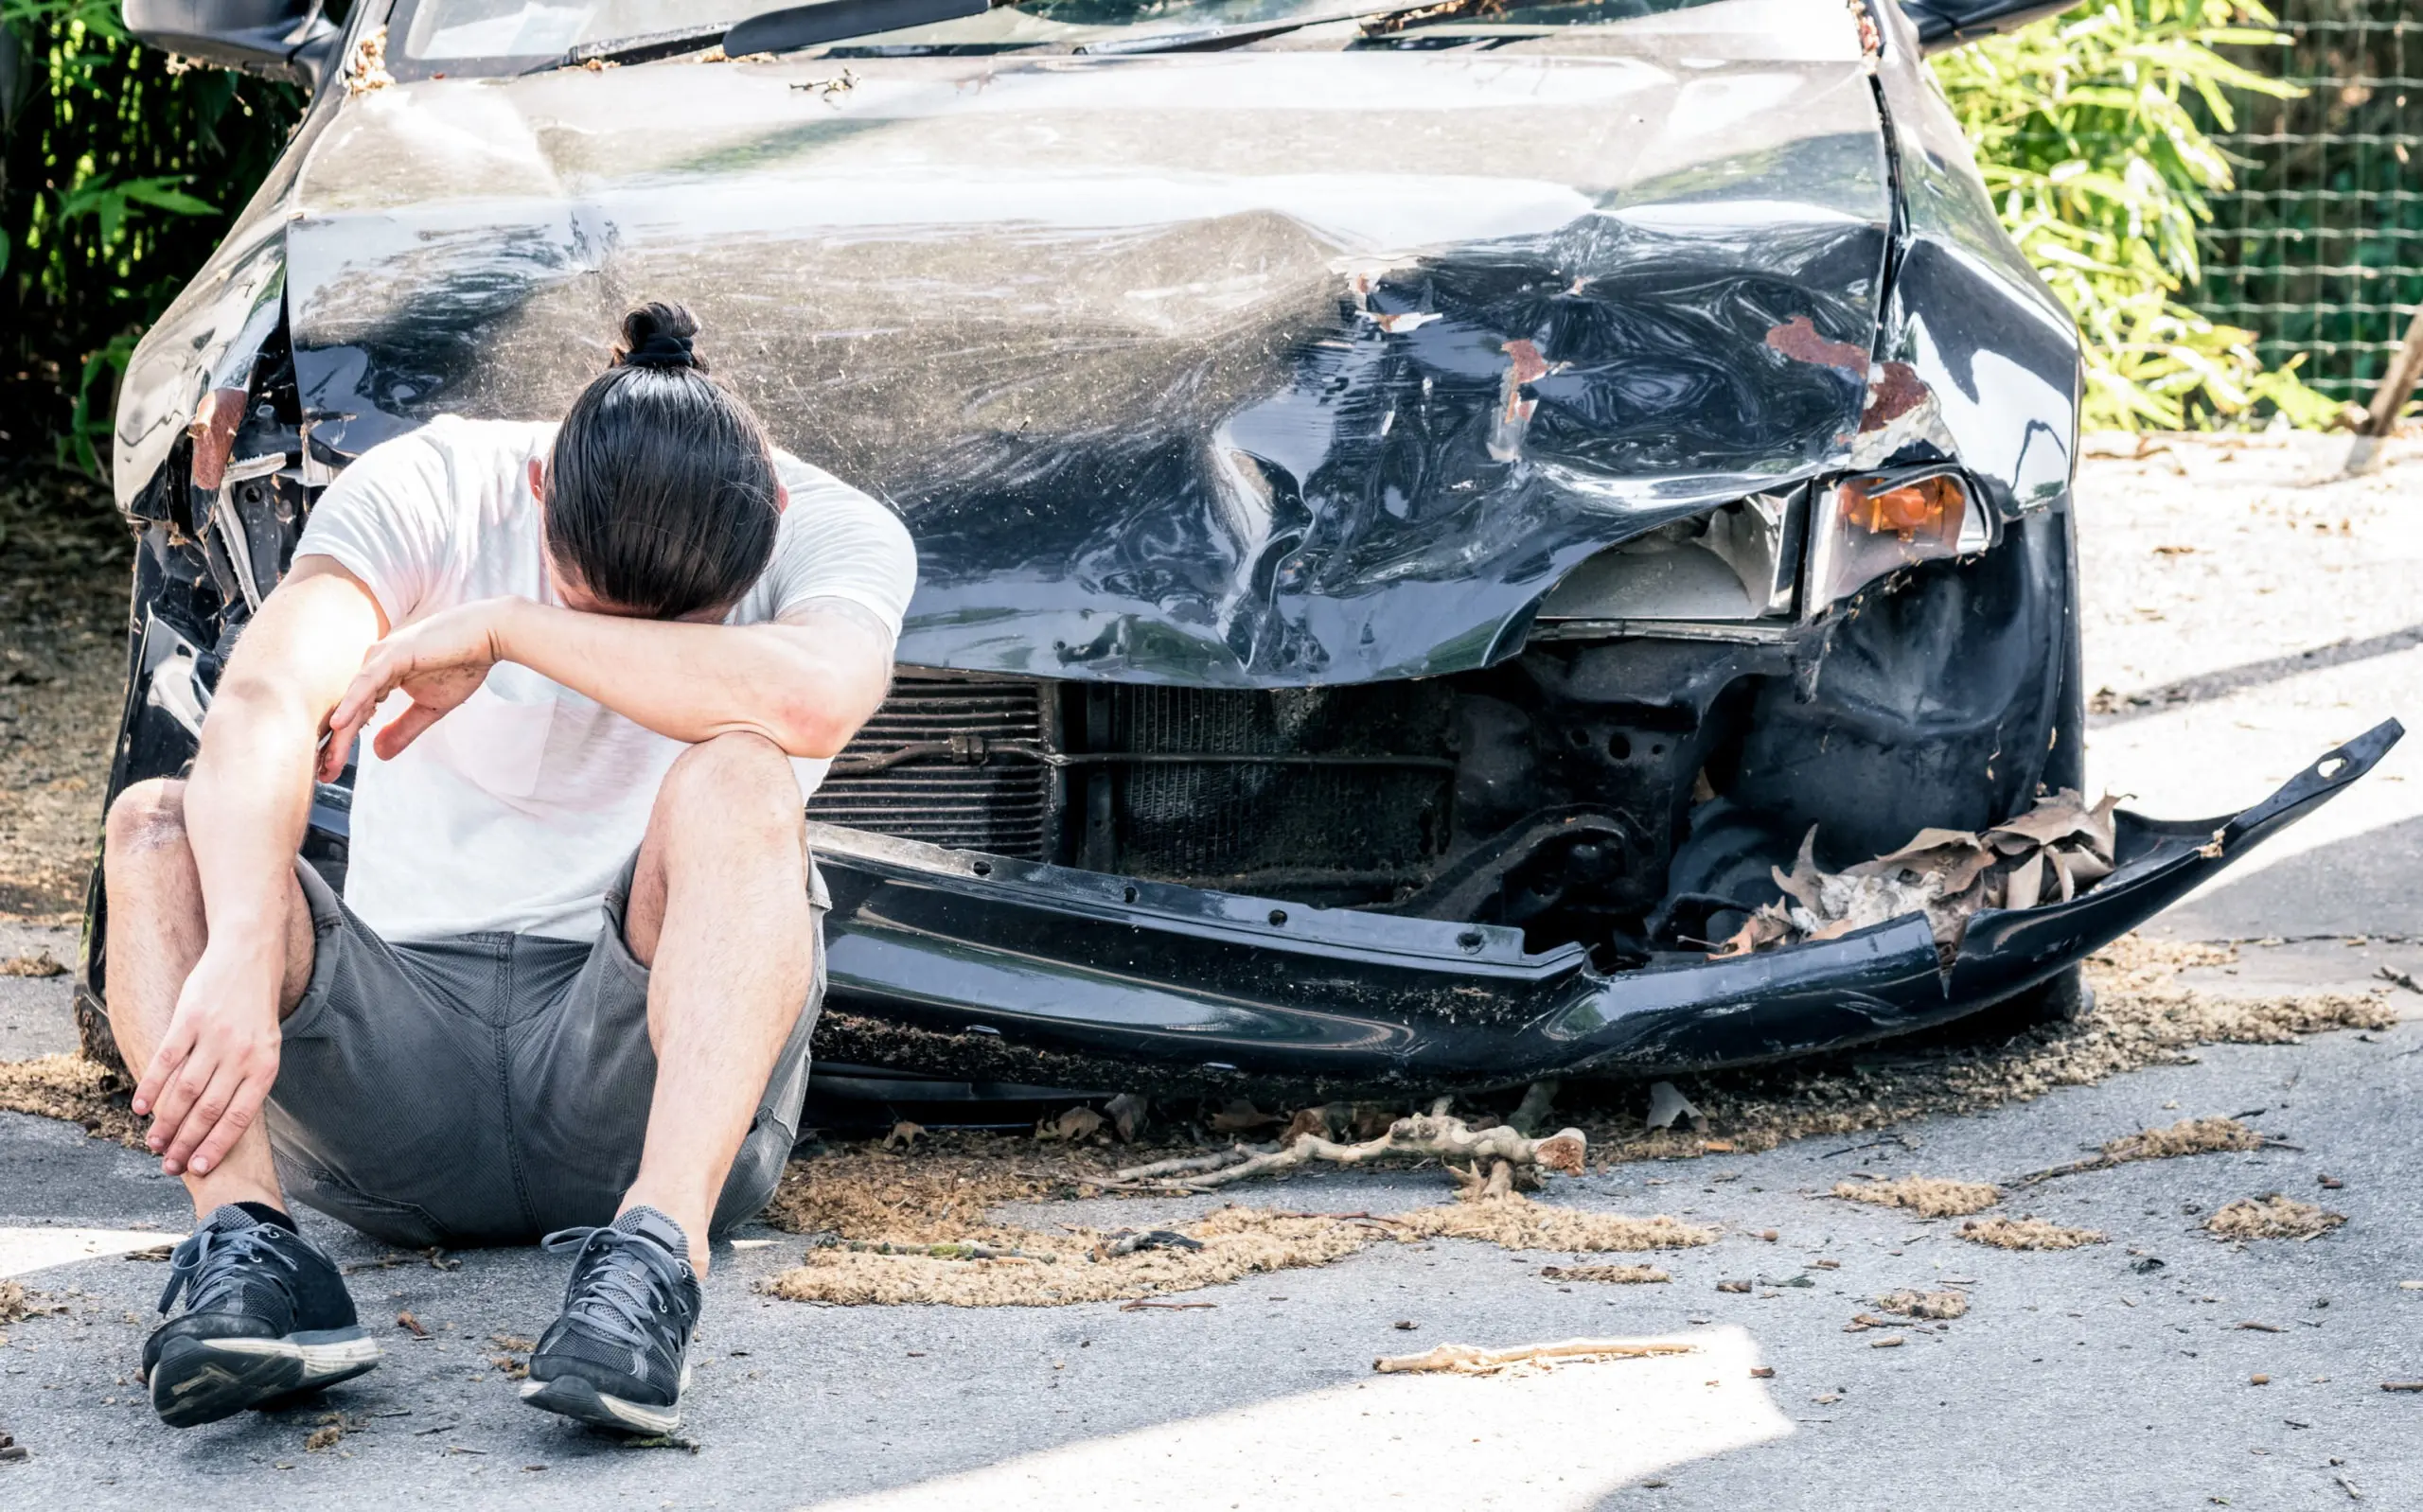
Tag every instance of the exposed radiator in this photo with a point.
(1352, 789)
(946, 760)
(1340, 794)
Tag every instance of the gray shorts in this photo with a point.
(492, 1087)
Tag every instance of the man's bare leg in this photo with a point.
(156, 932)
(719, 915)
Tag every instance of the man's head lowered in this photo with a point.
(661, 496)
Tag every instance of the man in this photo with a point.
(572, 980)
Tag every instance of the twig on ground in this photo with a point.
(1432, 1135)
(1532, 1114)
(1471, 1360)
(1188, 1164)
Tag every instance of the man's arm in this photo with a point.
(245, 808)
(805, 682)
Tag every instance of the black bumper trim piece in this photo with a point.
(1099, 968)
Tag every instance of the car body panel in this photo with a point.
(1227, 370)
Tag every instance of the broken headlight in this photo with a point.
(1869, 526)
(1731, 564)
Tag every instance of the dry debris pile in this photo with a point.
(2271, 1216)
(1610, 1274)
(1927, 1196)
(2025, 1233)
(2189, 1137)
(1933, 1306)
(2048, 855)
(900, 1228)
(74, 1090)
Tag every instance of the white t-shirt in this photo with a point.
(517, 810)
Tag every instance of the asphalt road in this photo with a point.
(2090, 1378)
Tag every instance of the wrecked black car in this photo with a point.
(1423, 509)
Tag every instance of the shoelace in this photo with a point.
(616, 1299)
(204, 1265)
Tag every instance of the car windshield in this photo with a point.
(490, 35)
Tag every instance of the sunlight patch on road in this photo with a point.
(1547, 1442)
(2215, 758)
(23, 1251)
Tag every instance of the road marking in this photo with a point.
(23, 1251)
(1558, 1441)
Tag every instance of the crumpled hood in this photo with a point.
(1239, 369)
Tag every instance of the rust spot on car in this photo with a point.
(1514, 407)
(1798, 339)
(213, 430)
(1894, 392)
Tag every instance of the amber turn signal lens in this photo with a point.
(1869, 527)
(1931, 507)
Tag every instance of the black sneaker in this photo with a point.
(266, 1314)
(616, 1356)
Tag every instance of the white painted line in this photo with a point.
(1558, 1441)
(23, 1251)
(2219, 757)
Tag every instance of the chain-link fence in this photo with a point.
(2319, 248)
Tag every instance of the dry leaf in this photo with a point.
(1126, 1113)
(1242, 1116)
(2048, 855)
(1075, 1124)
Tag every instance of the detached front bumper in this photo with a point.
(952, 964)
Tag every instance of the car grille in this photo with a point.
(935, 764)
(1302, 791)
(1340, 805)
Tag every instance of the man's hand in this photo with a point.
(439, 661)
(206, 1085)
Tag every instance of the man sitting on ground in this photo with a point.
(570, 983)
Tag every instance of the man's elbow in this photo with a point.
(813, 730)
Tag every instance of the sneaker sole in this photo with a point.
(202, 1381)
(575, 1397)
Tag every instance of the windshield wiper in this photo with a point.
(1238, 34)
(810, 25)
(644, 48)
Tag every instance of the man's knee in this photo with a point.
(737, 780)
(145, 824)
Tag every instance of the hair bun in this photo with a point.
(659, 335)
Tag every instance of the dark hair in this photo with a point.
(661, 497)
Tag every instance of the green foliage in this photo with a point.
(122, 172)
(2089, 132)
